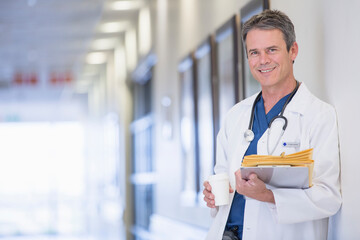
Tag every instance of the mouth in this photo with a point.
(266, 70)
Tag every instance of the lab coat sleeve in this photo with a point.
(221, 165)
(323, 199)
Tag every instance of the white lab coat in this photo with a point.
(298, 214)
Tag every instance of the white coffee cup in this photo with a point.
(220, 188)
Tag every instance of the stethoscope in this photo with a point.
(249, 134)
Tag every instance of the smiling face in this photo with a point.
(270, 62)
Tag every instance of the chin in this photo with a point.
(266, 82)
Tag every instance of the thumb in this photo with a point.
(253, 177)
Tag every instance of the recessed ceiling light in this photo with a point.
(104, 43)
(111, 27)
(96, 58)
(126, 5)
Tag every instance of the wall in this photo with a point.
(341, 46)
(328, 46)
(309, 64)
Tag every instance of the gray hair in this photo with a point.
(268, 20)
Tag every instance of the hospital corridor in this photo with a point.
(110, 110)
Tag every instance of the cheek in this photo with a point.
(252, 64)
(253, 70)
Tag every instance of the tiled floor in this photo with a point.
(44, 237)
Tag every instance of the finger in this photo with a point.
(205, 192)
(241, 185)
(211, 205)
(209, 202)
(231, 190)
(207, 186)
(238, 174)
(209, 195)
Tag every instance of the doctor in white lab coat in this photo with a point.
(275, 213)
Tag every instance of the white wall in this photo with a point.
(328, 38)
(342, 38)
(307, 17)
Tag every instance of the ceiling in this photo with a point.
(44, 43)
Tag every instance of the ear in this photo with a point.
(293, 52)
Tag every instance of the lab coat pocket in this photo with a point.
(289, 146)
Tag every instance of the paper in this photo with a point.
(285, 171)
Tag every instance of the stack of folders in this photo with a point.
(284, 171)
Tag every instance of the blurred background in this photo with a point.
(105, 109)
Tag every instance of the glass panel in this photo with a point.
(143, 151)
(187, 134)
(226, 71)
(42, 179)
(142, 146)
(143, 191)
(205, 117)
(143, 195)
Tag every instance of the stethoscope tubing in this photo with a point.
(249, 134)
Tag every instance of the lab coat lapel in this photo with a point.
(293, 111)
(241, 147)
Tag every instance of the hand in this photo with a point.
(253, 188)
(209, 198)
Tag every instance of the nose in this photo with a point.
(264, 58)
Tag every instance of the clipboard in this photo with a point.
(279, 176)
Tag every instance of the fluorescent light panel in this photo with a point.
(131, 49)
(96, 58)
(104, 43)
(144, 31)
(126, 5)
(112, 27)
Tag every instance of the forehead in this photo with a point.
(259, 38)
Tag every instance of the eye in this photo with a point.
(272, 50)
(253, 53)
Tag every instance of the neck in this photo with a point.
(273, 94)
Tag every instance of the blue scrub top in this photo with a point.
(261, 123)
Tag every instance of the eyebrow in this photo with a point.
(250, 50)
(255, 49)
(274, 46)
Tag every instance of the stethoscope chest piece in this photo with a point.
(249, 135)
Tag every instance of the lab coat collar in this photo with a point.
(250, 100)
(297, 104)
(301, 100)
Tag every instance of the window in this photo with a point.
(42, 179)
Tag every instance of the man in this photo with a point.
(259, 211)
